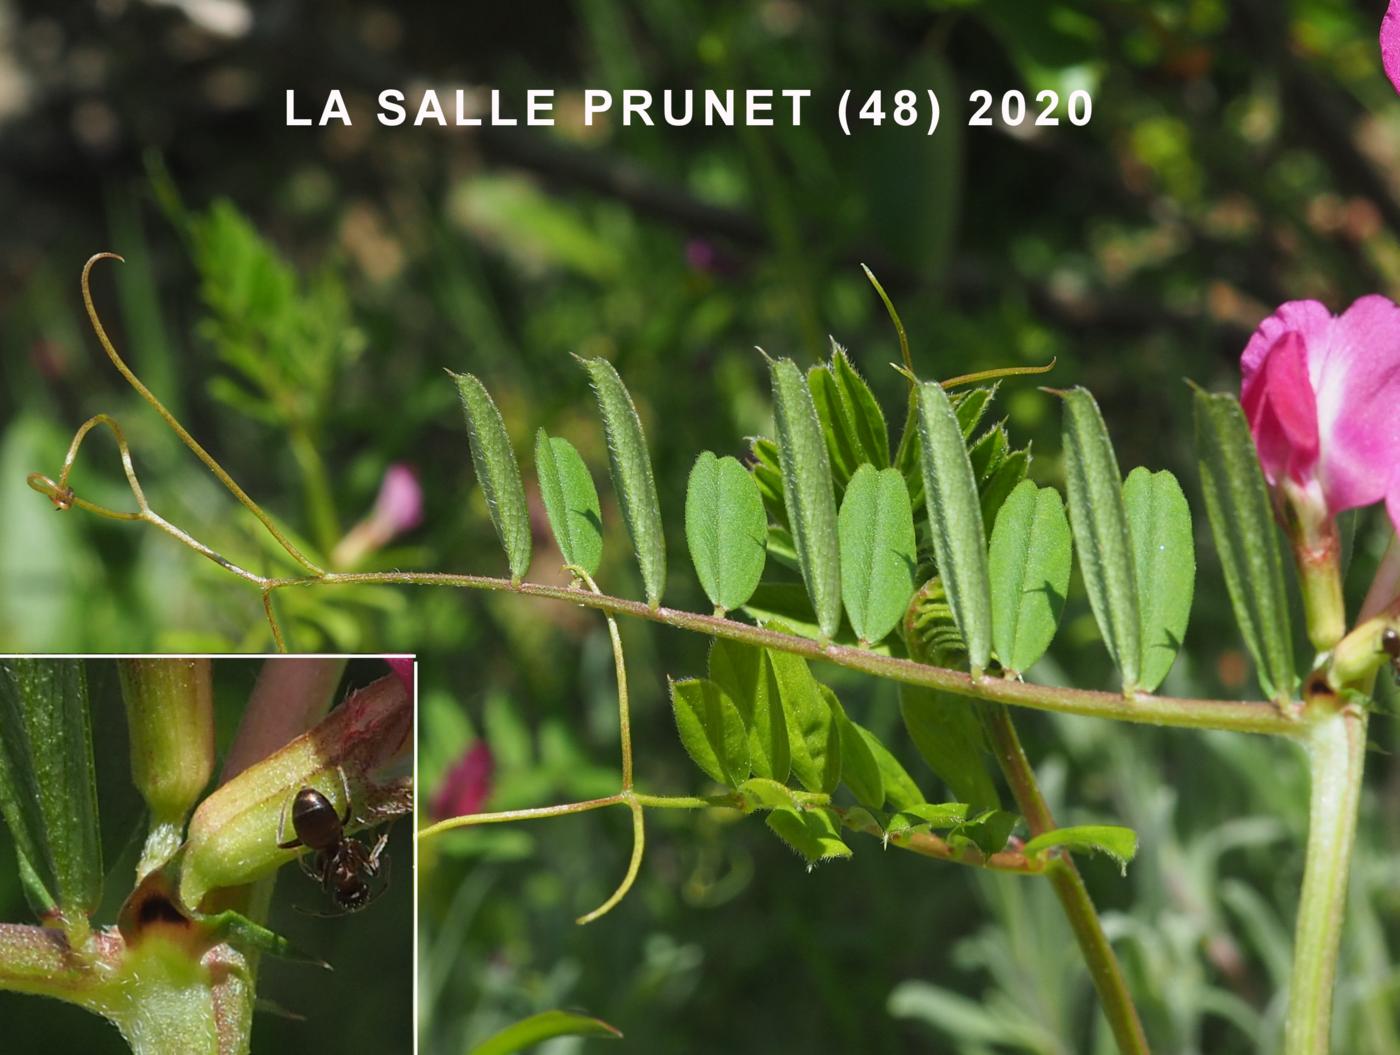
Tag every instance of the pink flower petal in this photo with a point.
(1390, 43)
(1282, 411)
(399, 507)
(1356, 372)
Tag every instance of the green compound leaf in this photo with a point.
(811, 832)
(570, 500)
(726, 529)
(1101, 532)
(631, 474)
(1242, 524)
(535, 1030)
(859, 768)
(808, 492)
(878, 555)
(1118, 842)
(742, 672)
(1029, 561)
(48, 793)
(1164, 553)
(712, 730)
(955, 514)
(814, 736)
(948, 733)
(497, 471)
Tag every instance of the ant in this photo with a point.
(1390, 645)
(341, 865)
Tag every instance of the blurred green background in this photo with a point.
(293, 295)
(301, 1008)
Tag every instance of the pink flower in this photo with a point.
(1390, 43)
(1322, 395)
(397, 509)
(467, 785)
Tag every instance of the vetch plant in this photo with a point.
(176, 972)
(934, 562)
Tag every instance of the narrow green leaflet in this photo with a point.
(878, 556)
(1004, 479)
(768, 474)
(1118, 842)
(742, 672)
(631, 474)
(934, 816)
(1164, 552)
(497, 471)
(760, 793)
(726, 529)
(867, 420)
(971, 406)
(900, 790)
(841, 449)
(712, 729)
(859, 769)
(808, 492)
(48, 792)
(1101, 532)
(1029, 561)
(530, 1032)
(247, 936)
(811, 832)
(955, 513)
(1242, 524)
(814, 736)
(948, 733)
(570, 500)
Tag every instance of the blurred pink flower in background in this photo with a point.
(397, 509)
(1390, 43)
(467, 785)
(1322, 395)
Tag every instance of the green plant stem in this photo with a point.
(1336, 747)
(1248, 716)
(1104, 969)
(925, 844)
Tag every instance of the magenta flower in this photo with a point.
(1390, 43)
(467, 785)
(1321, 393)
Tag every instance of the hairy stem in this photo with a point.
(1248, 717)
(1336, 749)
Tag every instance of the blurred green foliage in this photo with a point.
(1240, 154)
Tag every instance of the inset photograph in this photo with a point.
(191, 845)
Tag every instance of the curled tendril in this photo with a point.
(63, 497)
